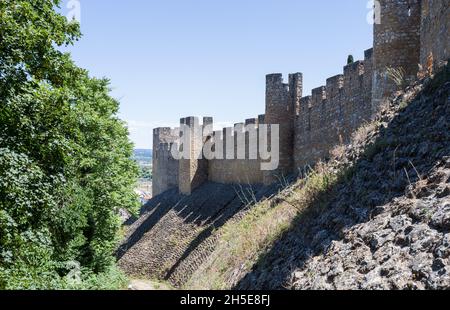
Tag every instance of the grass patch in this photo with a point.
(403, 104)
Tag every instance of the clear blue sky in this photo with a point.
(173, 58)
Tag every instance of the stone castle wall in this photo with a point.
(232, 171)
(281, 105)
(434, 34)
(193, 172)
(165, 167)
(396, 43)
(333, 112)
(311, 126)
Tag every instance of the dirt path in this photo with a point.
(147, 285)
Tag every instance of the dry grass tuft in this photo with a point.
(397, 75)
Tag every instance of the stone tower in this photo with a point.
(193, 171)
(165, 167)
(396, 43)
(282, 101)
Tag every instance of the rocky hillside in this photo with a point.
(376, 216)
(387, 226)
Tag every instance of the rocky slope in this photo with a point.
(387, 225)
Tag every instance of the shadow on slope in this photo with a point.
(408, 145)
(170, 238)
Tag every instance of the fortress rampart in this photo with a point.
(434, 31)
(234, 170)
(333, 112)
(165, 167)
(310, 126)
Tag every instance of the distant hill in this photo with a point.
(143, 157)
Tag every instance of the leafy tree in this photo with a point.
(65, 167)
(145, 172)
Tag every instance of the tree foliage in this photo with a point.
(65, 167)
(145, 173)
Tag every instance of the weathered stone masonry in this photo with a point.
(396, 43)
(332, 113)
(165, 167)
(434, 31)
(311, 126)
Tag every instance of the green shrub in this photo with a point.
(350, 59)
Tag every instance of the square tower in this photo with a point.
(396, 43)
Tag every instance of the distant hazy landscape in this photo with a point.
(144, 159)
(143, 156)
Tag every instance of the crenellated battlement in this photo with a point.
(310, 126)
(318, 95)
(332, 112)
(163, 134)
(335, 85)
(368, 55)
(251, 121)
